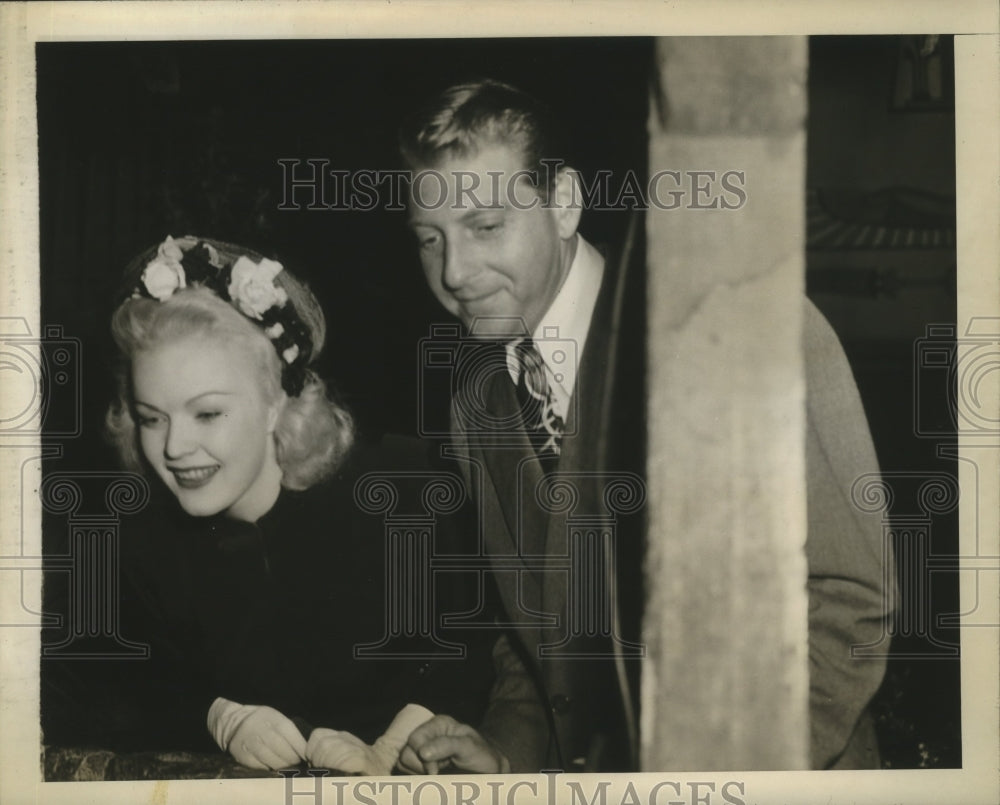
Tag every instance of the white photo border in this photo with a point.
(977, 103)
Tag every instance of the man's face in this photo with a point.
(491, 250)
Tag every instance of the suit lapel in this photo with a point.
(513, 525)
(580, 448)
(514, 469)
(581, 442)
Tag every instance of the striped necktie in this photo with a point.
(542, 423)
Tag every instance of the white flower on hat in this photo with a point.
(252, 287)
(170, 251)
(291, 354)
(164, 274)
(275, 331)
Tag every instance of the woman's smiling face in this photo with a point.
(206, 427)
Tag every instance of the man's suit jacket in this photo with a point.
(552, 710)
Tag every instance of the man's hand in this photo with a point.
(443, 741)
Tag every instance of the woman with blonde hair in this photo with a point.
(253, 575)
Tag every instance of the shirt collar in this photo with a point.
(562, 332)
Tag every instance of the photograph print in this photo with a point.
(500, 406)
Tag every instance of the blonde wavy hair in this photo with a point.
(314, 432)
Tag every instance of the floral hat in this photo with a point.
(247, 285)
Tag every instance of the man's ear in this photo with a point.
(567, 202)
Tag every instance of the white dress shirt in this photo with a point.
(562, 332)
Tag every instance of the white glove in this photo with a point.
(256, 735)
(344, 752)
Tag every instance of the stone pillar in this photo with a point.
(726, 682)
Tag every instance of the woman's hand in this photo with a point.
(344, 752)
(256, 735)
(443, 741)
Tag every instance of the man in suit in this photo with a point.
(543, 440)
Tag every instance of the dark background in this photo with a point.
(883, 158)
(141, 140)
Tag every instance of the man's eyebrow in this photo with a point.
(486, 208)
(413, 221)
